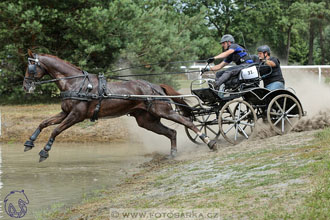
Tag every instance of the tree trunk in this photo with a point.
(311, 43)
(288, 44)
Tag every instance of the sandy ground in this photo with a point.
(19, 122)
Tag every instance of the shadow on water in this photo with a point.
(71, 171)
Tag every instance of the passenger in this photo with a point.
(275, 79)
(231, 53)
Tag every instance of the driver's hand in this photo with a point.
(210, 60)
(205, 70)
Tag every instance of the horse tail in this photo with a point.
(180, 103)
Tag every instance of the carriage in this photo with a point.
(233, 110)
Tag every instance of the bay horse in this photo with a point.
(70, 79)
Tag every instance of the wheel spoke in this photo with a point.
(278, 120)
(247, 124)
(230, 111)
(275, 113)
(208, 127)
(242, 130)
(279, 106)
(283, 127)
(291, 108)
(229, 129)
(284, 103)
(289, 122)
(244, 116)
(236, 132)
(197, 119)
(228, 120)
(293, 116)
(195, 137)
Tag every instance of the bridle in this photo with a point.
(33, 63)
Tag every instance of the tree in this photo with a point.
(319, 13)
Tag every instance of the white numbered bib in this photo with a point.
(249, 73)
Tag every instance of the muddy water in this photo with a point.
(71, 172)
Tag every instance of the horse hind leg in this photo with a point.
(152, 123)
(170, 114)
(29, 144)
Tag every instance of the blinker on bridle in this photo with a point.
(32, 67)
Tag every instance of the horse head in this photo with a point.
(34, 71)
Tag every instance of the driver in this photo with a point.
(231, 53)
(275, 79)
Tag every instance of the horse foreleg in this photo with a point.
(73, 118)
(51, 121)
(152, 123)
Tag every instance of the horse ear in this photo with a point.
(30, 53)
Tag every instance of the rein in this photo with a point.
(55, 80)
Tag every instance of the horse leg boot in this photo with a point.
(212, 144)
(44, 152)
(29, 144)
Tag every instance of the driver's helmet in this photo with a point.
(227, 37)
(264, 48)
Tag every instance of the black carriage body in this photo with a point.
(239, 108)
(260, 98)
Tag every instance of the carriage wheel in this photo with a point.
(208, 124)
(283, 113)
(243, 112)
(237, 121)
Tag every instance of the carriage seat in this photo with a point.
(247, 78)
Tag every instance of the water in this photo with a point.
(71, 172)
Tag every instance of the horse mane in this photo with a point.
(52, 56)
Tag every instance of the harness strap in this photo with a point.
(102, 89)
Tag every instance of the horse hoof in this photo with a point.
(213, 145)
(28, 145)
(43, 155)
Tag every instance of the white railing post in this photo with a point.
(320, 75)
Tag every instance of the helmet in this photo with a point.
(264, 48)
(227, 37)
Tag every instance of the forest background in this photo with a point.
(102, 36)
